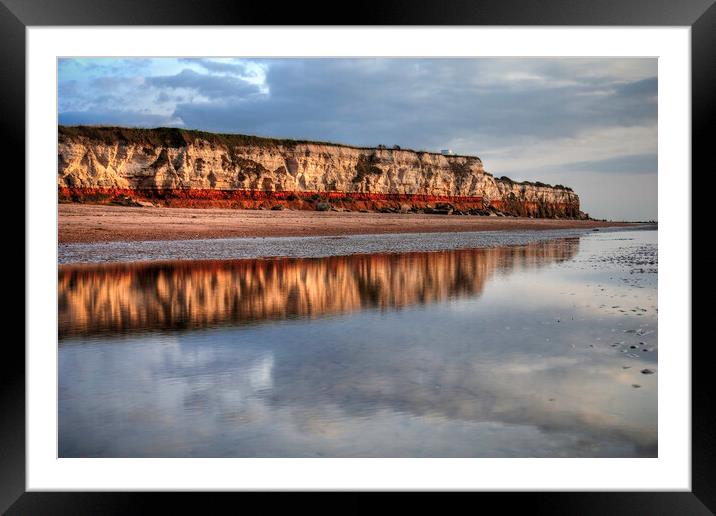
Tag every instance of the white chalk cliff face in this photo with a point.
(173, 159)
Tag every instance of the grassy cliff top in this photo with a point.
(177, 137)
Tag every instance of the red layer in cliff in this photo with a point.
(320, 201)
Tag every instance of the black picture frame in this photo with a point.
(700, 15)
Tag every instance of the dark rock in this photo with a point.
(647, 371)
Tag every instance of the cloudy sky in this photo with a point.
(587, 123)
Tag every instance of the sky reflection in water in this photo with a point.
(504, 352)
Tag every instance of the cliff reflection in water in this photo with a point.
(122, 298)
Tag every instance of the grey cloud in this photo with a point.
(68, 93)
(633, 164)
(212, 86)
(643, 88)
(414, 104)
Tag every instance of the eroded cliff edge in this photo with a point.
(177, 167)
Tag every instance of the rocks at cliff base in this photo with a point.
(440, 209)
(125, 200)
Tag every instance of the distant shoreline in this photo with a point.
(80, 223)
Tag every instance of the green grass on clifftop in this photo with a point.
(177, 137)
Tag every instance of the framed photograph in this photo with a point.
(435, 250)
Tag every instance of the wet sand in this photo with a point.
(545, 350)
(82, 223)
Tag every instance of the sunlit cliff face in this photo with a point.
(182, 295)
(181, 168)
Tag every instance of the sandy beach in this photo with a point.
(96, 223)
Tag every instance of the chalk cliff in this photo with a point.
(177, 167)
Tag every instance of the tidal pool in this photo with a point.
(547, 349)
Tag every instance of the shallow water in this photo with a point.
(303, 247)
(520, 351)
